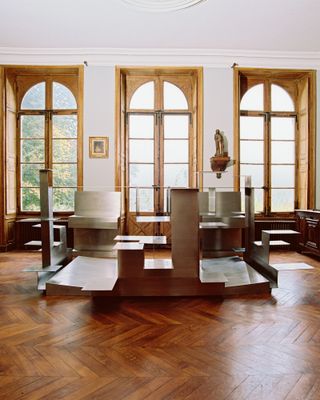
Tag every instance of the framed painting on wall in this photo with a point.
(98, 147)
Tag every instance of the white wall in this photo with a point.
(99, 94)
(218, 114)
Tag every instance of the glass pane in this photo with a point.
(283, 128)
(141, 150)
(280, 99)
(64, 150)
(65, 175)
(282, 152)
(141, 126)
(282, 175)
(282, 200)
(32, 150)
(35, 98)
(30, 199)
(176, 151)
(174, 98)
(256, 173)
(253, 99)
(63, 199)
(143, 97)
(141, 175)
(64, 126)
(258, 200)
(145, 199)
(32, 126)
(176, 175)
(176, 126)
(63, 98)
(251, 127)
(30, 174)
(251, 152)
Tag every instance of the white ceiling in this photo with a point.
(273, 25)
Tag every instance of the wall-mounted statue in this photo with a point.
(219, 141)
(220, 161)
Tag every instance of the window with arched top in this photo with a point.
(173, 97)
(143, 97)
(269, 147)
(281, 99)
(48, 138)
(161, 141)
(35, 97)
(62, 97)
(253, 98)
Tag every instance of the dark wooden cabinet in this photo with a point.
(308, 224)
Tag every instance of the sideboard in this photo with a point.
(308, 224)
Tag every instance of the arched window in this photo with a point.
(63, 98)
(252, 100)
(143, 97)
(174, 98)
(160, 139)
(267, 145)
(35, 98)
(48, 135)
(280, 99)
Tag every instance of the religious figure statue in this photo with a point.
(218, 138)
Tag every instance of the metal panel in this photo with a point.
(97, 204)
(227, 203)
(185, 232)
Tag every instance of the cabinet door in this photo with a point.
(312, 233)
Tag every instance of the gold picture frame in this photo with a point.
(98, 147)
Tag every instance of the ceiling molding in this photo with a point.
(122, 56)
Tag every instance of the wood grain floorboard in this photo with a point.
(240, 347)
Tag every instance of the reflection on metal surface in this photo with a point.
(95, 222)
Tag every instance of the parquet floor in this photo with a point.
(159, 348)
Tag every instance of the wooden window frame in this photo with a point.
(244, 79)
(121, 108)
(72, 78)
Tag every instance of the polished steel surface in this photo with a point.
(142, 239)
(78, 221)
(88, 273)
(95, 222)
(185, 232)
(236, 271)
(96, 242)
(97, 204)
(227, 202)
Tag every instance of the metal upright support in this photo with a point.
(47, 236)
(54, 254)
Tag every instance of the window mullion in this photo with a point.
(267, 147)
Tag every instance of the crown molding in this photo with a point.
(177, 57)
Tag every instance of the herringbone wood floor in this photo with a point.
(160, 348)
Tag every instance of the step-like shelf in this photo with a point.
(281, 232)
(213, 225)
(38, 243)
(142, 239)
(38, 226)
(128, 246)
(273, 243)
(38, 268)
(158, 263)
(239, 249)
